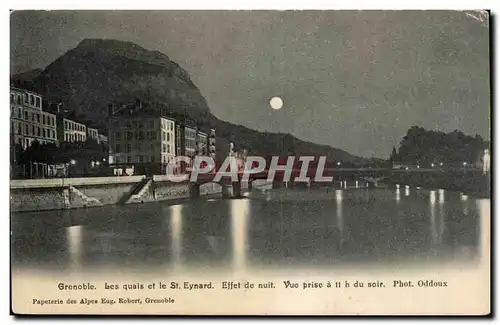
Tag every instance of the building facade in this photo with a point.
(29, 122)
(70, 130)
(211, 143)
(93, 134)
(202, 143)
(139, 138)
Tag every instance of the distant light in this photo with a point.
(73, 162)
(441, 164)
(418, 187)
(276, 103)
(103, 159)
(418, 166)
(338, 163)
(407, 168)
(432, 165)
(397, 185)
(407, 186)
(97, 163)
(465, 164)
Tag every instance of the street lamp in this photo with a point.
(465, 163)
(441, 164)
(338, 163)
(73, 162)
(432, 165)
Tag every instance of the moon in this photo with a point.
(276, 103)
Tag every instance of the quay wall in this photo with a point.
(71, 193)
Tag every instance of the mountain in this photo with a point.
(100, 71)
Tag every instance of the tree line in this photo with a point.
(64, 153)
(424, 147)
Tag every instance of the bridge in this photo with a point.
(232, 188)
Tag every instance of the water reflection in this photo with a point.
(176, 233)
(340, 219)
(74, 239)
(484, 207)
(240, 210)
(271, 229)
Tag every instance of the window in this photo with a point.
(138, 147)
(19, 99)
(168, 148)
(117, 159)
(129, 159)
(44, 133)
(32, 100)
(19, 130)
(141, 135)
(38, 118)
(65, 137)
(12, 98)
(118, 148)
(19, 113)
(152, 147)
(128, 147)
(136, 135)
(117, 136)
(38, 104)
(26, 115)
(140, 125)
(168, 137)
(152, 159)
(43, 119)
(171, 126)
(26, 129)
(163, 136)
(164, 148)
(129, 136)
(140, 158)
(66, 125)
(151, 124)
(32, 130)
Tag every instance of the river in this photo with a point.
(266, 229)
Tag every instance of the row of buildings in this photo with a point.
(142, 136)
(137, 136)
(33, 119)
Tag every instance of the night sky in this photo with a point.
(355, 80)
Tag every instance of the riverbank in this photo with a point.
(61, 194)
(472, 184)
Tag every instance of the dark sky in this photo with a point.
(355, 80)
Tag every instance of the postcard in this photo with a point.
(259, 162)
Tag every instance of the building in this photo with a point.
(202, 143)
(140, 137)
(187, 138)
(93, 134)
(29, 122)
(70, 130)
(211, 143)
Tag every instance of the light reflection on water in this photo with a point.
(272, 229)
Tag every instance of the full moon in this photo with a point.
(276, 103)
